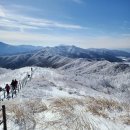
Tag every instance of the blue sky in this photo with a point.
(84, 23)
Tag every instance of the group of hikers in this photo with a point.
(13, 86)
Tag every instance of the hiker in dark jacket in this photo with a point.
(7, 88)
(13, 85)
(28, 75)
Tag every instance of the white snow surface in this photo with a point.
(60, 99)
(3, 70)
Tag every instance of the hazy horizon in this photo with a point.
(123, 49)
(83, 23)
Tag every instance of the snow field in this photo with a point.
(60, 100)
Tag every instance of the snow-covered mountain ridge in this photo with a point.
(6, 49)
(81, 95)
(59, 56)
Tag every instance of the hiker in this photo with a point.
(7, 88)
(31, 69)
(28, 75)
(13, 85)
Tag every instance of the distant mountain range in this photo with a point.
(56, 56)
(6, 49)
(90, 54)
(125, 49)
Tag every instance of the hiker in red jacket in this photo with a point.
(7, 88)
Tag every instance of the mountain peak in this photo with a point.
(6, 49)
(2, 44)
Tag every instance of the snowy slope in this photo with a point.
(3, 70)
(101, 76)
(71, 98)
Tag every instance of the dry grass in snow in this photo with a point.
(67, 114)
